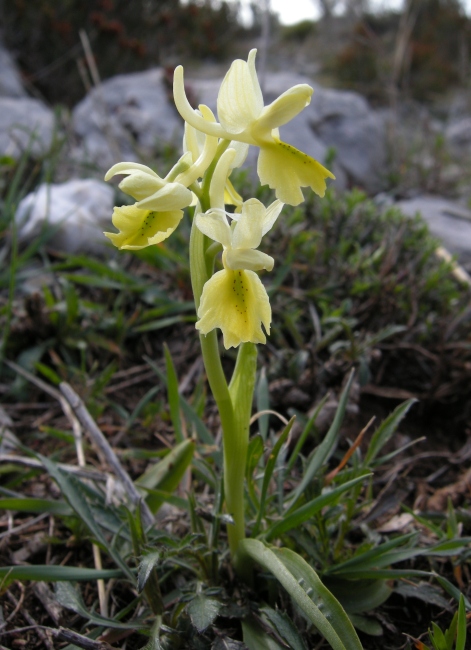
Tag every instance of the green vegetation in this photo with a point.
(358, 288)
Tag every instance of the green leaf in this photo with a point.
(200, 428)
(154, 638)
(141, 404)
(254, 454)
(147, 564)
(307, 429)
(386, 429)
(437, 637)
(173, 395)
(72, 490)
(59, 508)
(308, 510)
(263, 403)
(193, 418)
(285, 627)
(374, 557)
(367, 625)
(268, 473)
(68, 597)
(305, 588)
(255, 638)
(452, 590)
(424, 591)
(322, 453)
(53, 573)
(203, 611)
(462, 622)
(47, 372)
(358, 596)
(166, 475)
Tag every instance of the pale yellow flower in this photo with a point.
(235, 299)
(140, 228)
(159, 201)
(244, 118)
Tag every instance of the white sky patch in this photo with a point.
(293, 11)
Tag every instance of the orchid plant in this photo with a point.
(233, 299)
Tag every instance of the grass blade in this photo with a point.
(59, 508)
(386, 429)
(325, 449)
(167, 474)
(54, 573)
(308, 510)
(270, 466)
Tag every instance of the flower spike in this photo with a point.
(244, 118)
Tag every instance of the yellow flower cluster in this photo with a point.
(233, 299)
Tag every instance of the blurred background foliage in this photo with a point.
(422, 49)
(125, 37)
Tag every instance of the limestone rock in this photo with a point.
(10, 80)
(447, 220)
(78, 210)
(125, 117)
(343, 120)
(458, 136)
(25, 125)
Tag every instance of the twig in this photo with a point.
(18, 529)
(63, 634)
(17, 604)
(24, 612)
(89, 425)
(47, 600)
(90, 59)
(331, 475)
(34, 463)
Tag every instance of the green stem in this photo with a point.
(235, 402)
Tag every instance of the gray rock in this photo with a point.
(78, 210)
(10, 80)
(458, 136)
(448, 221)
(25, 125)
(344, 121)
(126, 117)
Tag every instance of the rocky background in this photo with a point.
(397, 151)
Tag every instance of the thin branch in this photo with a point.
(89, 425)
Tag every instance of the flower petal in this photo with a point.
(283, 109)
(247, 259)
(242, 149)
(240, 100)
(140, 184)
(193, 141)
(204, 159)
(141, 228)
(271, 215)
(231, 196)
(214, 225)
(248, 229)
(129, 168)
(173, 196)
(286, 169)
(188, 113)
(218, 181)
(237, 303)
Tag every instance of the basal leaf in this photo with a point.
(203, 610)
